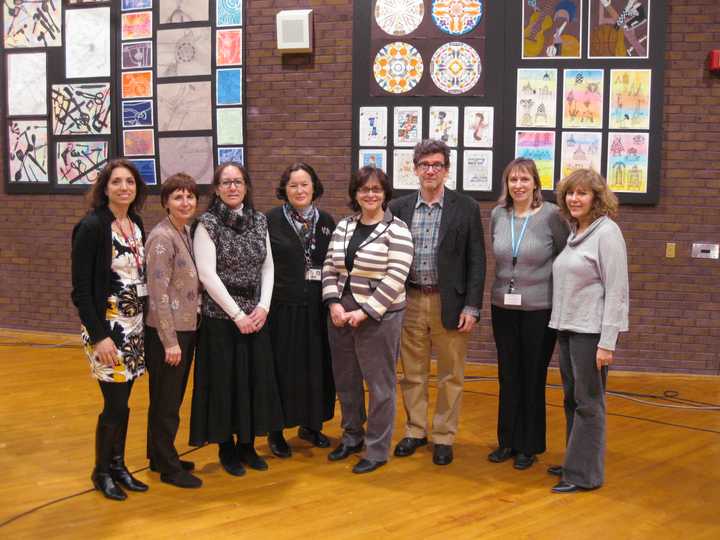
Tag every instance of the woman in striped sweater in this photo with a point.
(363, 282)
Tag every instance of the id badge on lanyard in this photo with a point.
(313, 273)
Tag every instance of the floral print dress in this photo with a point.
(124, 313)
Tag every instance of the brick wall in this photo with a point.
(299, 106)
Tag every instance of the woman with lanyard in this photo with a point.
(299, 237)
(527, 234)
(108, 289)
(363, 281)
(174, 298)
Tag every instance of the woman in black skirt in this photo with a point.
(235, 393)
(299, 236)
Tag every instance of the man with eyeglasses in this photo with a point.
(445, 290)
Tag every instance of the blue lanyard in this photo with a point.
(516, 246)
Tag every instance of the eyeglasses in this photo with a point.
(424, 166)
(373, 190)
(237, 182)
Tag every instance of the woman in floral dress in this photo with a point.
(109, 289)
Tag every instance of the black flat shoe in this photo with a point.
(367, 465)
(186, 465)
(555, 470)
(342, 451)
(501, 454)
(565, 487)
(524, 461)
(104, 483)
(182, 479)
(247, 455)
(229, 461)
(316, 438)
(442, 454)
(278, 445)
(407, 446)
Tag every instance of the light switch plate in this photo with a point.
(705, 251)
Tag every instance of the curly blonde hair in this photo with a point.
(605, 202)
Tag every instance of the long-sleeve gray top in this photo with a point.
(590, 277)
(544, 239)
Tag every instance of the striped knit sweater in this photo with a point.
(381, 266)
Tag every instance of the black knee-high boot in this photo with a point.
(118, 470)
(101, 478)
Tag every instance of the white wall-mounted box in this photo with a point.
(294, 31)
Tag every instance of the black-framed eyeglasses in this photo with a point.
(237, 182)
(424, 166)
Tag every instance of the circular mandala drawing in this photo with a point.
(457, 17)
(455, 67)
(398, 67)
(399, 17)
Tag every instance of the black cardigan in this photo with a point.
(288, 256)
(91, 262)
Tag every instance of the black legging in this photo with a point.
(116, 397)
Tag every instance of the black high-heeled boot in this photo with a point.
(118, 470)
(101, 478)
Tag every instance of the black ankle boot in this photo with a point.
(118, 470)
(101, 478)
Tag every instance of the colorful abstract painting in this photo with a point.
(234, 153)
(552, 29)
(540, 147)
(129, 5)
(228, 47)
(228, 12)
(228, 86)
(536, 98)
(580, 150)
(630, 98)
(407, 123)
(147, 170)
(455, 67)
(627, 162)
(137, 54)
(399, 17)
(457, 17)
(81, 109)
(583, 92)
(137, 25)
(80, 162)
(398, 67)
(137, 84)
(139, 142)
(137, 113)
(28, 150)
(32, 23)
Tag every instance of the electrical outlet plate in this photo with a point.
(705, 251)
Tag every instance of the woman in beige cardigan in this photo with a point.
(363, 282)
(173, 289)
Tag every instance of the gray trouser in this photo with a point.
(368, 352)
(584, 387)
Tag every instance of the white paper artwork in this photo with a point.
(27, 84)
(373, 157)
(183, 51)
(87, 34)
(182, 11)
(407, 126)
(373, 126)
(477, 170)
(451, 181)
(478, 127)
(404, 176)
(444, 124)
(184, 106)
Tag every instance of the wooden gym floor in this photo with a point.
(663, 469)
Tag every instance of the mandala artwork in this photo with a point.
(399, 17)
(457, 17)
(398, 67)
(455, 67)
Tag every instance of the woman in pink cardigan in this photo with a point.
(173, 289)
